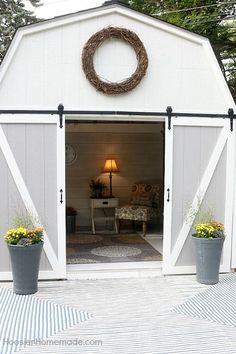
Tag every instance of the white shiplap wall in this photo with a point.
(138, 149)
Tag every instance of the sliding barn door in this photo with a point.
(199, 170)
(32, 179)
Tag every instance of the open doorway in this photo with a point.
(138, 150)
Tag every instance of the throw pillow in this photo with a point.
(142, 198)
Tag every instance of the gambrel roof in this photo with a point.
(175, 41)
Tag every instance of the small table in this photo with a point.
(102, 203)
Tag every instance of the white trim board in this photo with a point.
(28, 118)
(115, 266)
(43, 275)
(114, 270)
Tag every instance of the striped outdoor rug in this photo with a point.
(216, 304)
(25, 319)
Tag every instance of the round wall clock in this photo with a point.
(70, 154)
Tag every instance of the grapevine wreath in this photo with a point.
(98, 39)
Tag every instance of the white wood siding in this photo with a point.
(139, 157)
(46, 69)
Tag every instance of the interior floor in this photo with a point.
(109, 247)
(155, 240)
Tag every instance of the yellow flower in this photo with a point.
(211, 229)
(14, 235)
(204, 230)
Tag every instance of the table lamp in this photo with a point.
(110, 166)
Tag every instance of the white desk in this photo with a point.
(102, 203)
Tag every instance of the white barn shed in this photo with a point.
(43, 68)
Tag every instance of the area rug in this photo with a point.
(216, 304)
(27, 320)
(109, 248)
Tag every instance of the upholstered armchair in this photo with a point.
(145, 204)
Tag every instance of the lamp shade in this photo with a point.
(110, 166)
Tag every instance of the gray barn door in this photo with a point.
(199, 170)
(32, 175)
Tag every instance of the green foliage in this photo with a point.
(204, 18)
(24, 219)
(97, 187)
(202, 219)
(199, 215)
(228, 55)
(97, 184)
(23, 231)
(13, 15)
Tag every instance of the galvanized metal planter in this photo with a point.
(208, 255)
(25, 267)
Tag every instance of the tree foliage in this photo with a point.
(207, 18)
(13, 14)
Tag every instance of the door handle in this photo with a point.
(168, 194)
(61, 193)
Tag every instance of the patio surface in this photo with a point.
(133, 316)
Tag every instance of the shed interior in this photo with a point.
(138, 149)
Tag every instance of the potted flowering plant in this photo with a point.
(208, 242)
(25, 247)
(97, 188)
